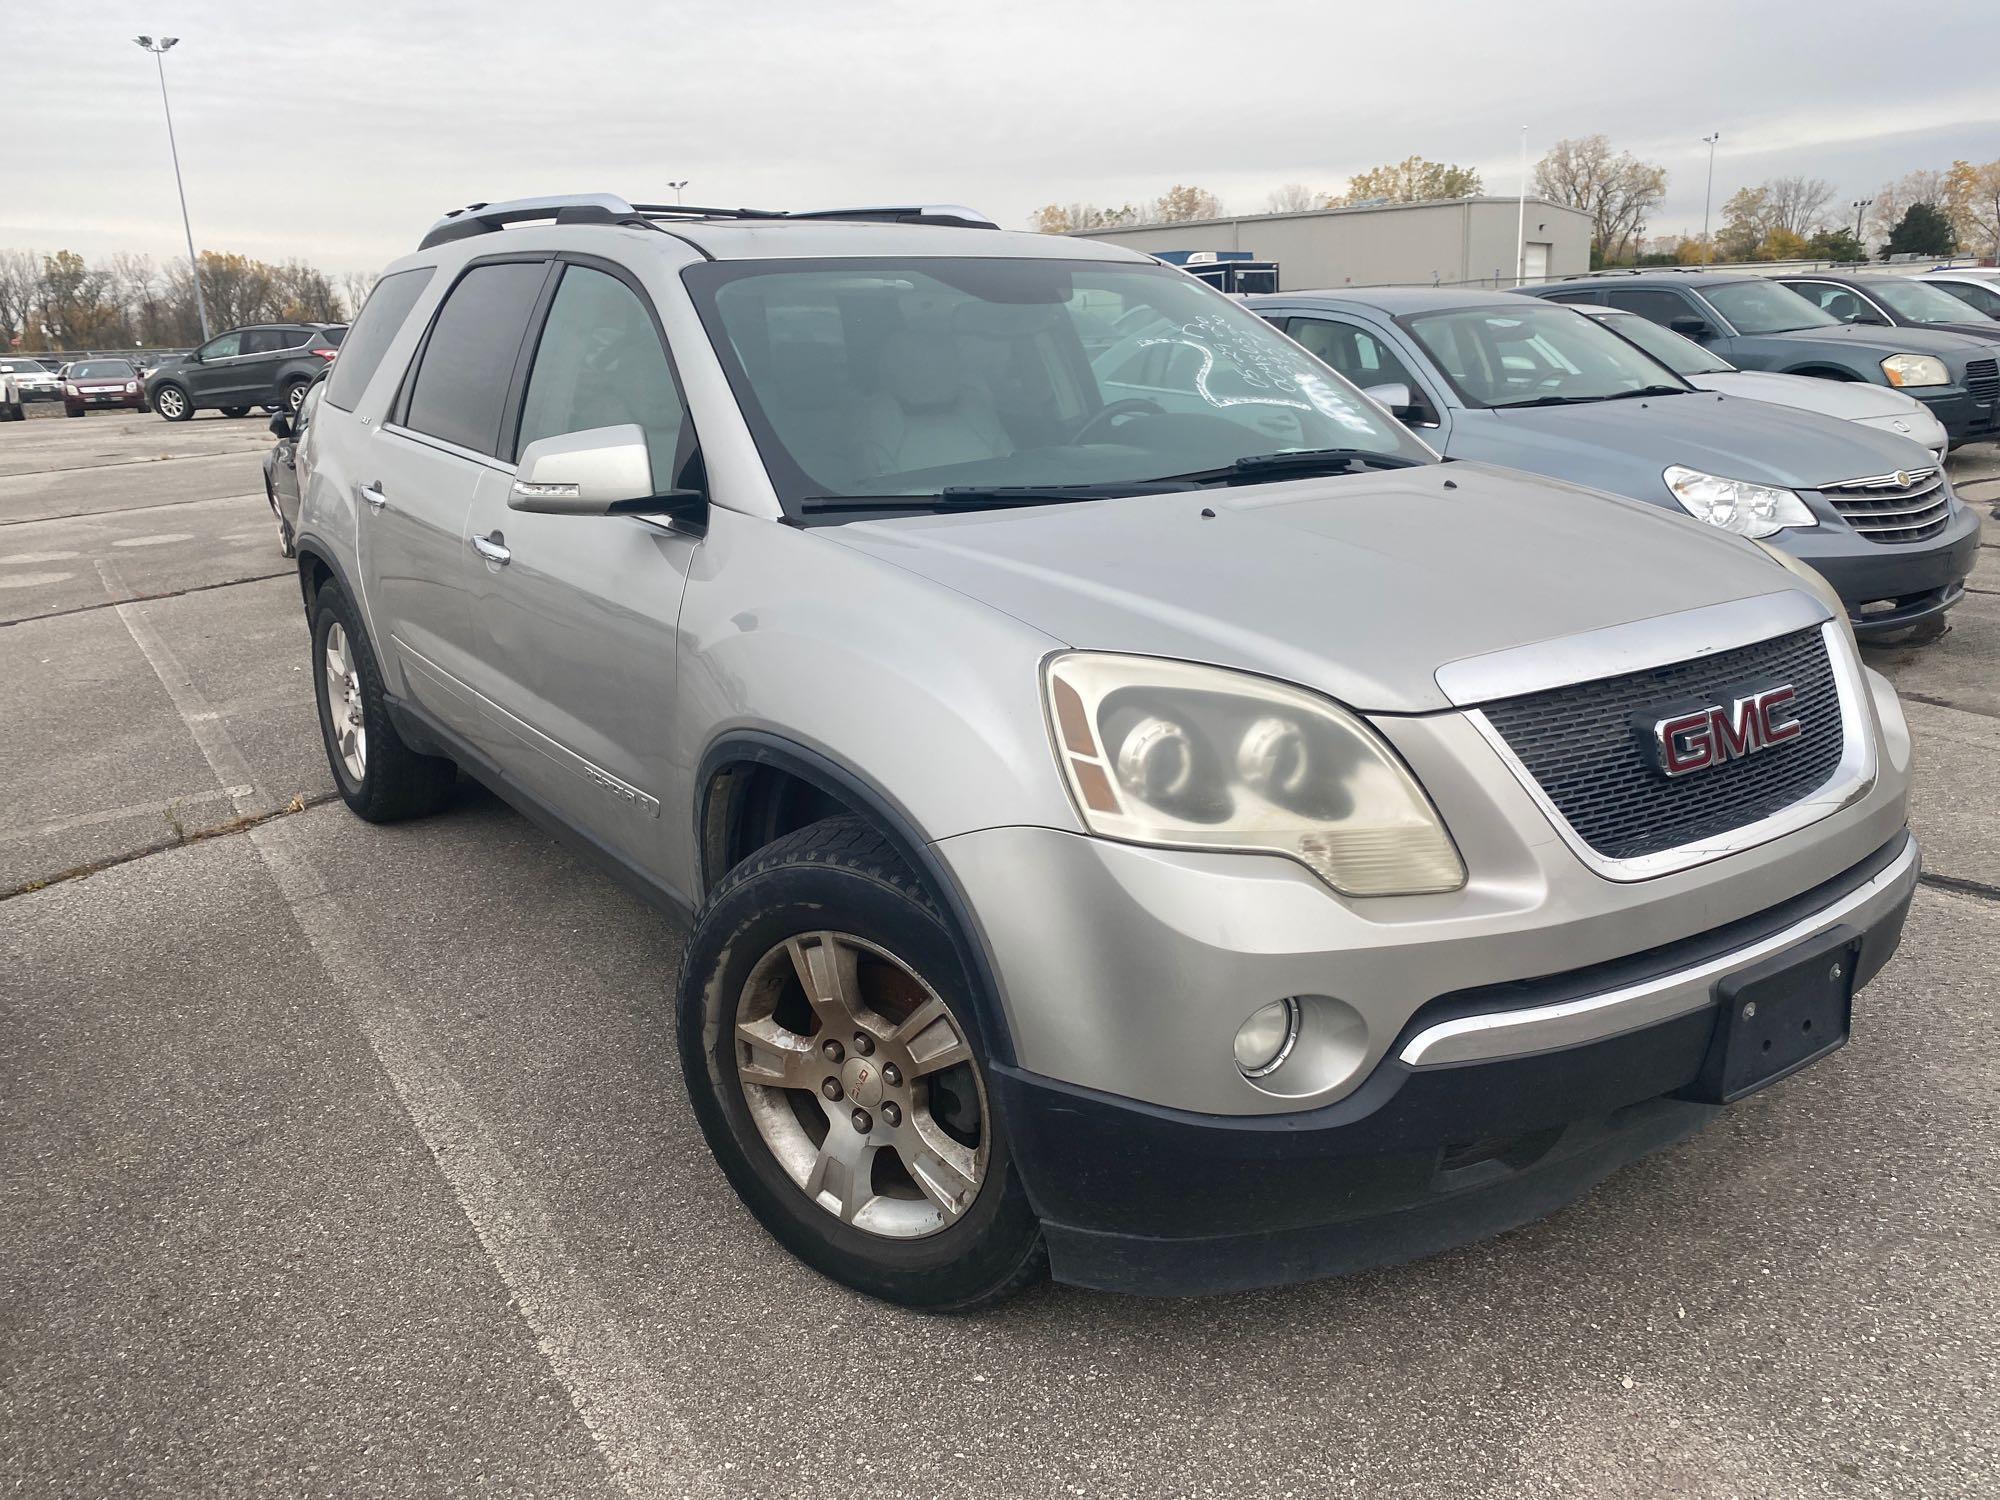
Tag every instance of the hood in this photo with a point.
(1358, 586)
(1623, 446)
(1850, 400)
(1953, 348)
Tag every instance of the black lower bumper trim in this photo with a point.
(1137, 1197)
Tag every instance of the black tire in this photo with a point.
(68, 413)
(1927, 631)
(295, 397)
(840, 875)
(173, 402)
(236, 411)
(395, 781)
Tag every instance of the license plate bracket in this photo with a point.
(1779, 1016)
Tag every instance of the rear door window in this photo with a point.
(1659, 306)
(265, 340)
(459, 388)
(373, 330)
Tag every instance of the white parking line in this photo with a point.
(619, 1397)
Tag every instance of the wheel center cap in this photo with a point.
(861, 1077)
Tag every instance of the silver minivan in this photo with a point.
(1142, 819)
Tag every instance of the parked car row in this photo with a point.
(1144, 813)
(1498, 378)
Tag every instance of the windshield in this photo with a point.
(1535, 355)
(1682, 356)
(910, 377)
(1917, 302)
(102, 369)
(1766, 307)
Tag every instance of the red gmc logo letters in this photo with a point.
(1709, 736)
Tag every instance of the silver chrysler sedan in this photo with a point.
(1148, 821)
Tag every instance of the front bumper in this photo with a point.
(1965, 417)
(1442, 1144)
(1890, 587)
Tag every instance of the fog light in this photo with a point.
(1266, 1039)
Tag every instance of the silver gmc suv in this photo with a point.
(1141, 816)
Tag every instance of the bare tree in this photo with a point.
(1896, 198)
(1798, 203)
(1068, 218)
(354, 289)
(1294, 198)
(1615, 188)
(20, 291)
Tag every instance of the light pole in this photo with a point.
(159, 48)
(1860, 206)
(1521, 217)
(677, 186)
(1708, 197)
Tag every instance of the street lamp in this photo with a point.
(1707, 197)
(159, 46)
(1860, 206)
(677, 186)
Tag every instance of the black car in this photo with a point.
(268, 365)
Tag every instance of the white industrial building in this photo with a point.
(1457, 241)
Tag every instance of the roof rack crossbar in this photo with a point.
(608, 208)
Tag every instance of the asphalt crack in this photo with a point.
(1979, 890)
(242, 823)
(193, 588)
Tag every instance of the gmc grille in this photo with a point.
(1582, 745)
(1913, 506)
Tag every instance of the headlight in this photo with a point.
(131, 386)
(1735, 505)
(1182, 756)
(1915, 369)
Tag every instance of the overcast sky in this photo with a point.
(336, 132)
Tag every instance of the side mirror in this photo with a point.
(1402, 403)
(281, 426)
(1691, 328)
(593, 473)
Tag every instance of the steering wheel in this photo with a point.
(1130, 406)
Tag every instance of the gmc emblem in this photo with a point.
(1711, 734)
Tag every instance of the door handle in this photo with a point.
(372, 493)
(493, 548)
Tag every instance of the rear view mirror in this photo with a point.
(1691, 328)
(592, 473)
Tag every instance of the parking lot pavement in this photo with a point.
(355, 1160)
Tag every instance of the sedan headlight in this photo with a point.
(1183, 756)
(1735, 505)
(1915, 369)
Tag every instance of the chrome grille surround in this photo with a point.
(1621, 650)
(1912, 505)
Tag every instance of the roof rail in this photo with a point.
(608, 208)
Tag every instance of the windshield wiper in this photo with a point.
(1548, 401)
(1650, 390)
(991, 497)
(1300, 461)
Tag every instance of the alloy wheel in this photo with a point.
(862, 1085)
(345, 713)
(171, 402)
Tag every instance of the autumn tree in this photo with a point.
(1615, 188)
(1414, 179)
(1746, 221)
(1070, 218)
(1181, 205)
(1971, 201)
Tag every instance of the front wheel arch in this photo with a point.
(1827, 372)
(722, 772)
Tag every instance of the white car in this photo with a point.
(1854, 400)
(1976, 286)
(33, 380)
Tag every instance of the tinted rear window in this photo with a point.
(461, 382)
(334, 335)
(374, 330)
